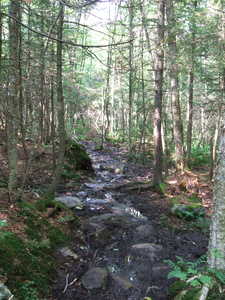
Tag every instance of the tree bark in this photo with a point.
(217, 229)
(157, 170)
(175, 101)
(191, 94)
(61, 110)
(12, 108)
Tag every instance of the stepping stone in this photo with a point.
(95, 280)
(149, 249)
(122, 282)
(70, 201)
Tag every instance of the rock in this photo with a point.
(149, 249)
(111, 218)
(77, 156)
(186, 208)
(65, 251)
(5, 293)
(116, 168)
(95, 280)
(144, 234)
(95, 186)
(122, 282)
(70, 201)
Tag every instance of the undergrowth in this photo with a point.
(192, 276)
(26, 262)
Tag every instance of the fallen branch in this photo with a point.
(204, 292)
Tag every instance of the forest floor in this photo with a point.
(120, 245)
(129, 219)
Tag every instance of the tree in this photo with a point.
(61, 110)
(175, 101)
(191, 87)
(216, 248)
(13, 96)
(157, 171)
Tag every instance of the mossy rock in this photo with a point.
(77, 157)
(185, 208)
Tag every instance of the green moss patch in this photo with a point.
(26, 261)
(77, 157)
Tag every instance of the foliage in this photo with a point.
(194, 275)
(200, 155)
(29, 260)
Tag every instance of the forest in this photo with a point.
(111, 100)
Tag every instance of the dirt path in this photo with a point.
(118, 251)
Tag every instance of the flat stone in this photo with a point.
(95, 186)
(70, 201)
(149, 249)
(65, 251)
(95, 280)
(122, 282)
(116, 168)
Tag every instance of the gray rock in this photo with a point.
(144, 234)
(70, 201)
(122, 282)
(116, 168)
(65, 251)
(95, 280)
(149, 249)
(5, 293)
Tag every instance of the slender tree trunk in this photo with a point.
(131, 74)
(53, 111)
(157, 170)
(175, 101)
(12, 109)
(61, 111)
(191, 94)
(217, 230)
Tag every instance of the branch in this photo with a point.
(66, 42)
(204, 292)
(79, 6)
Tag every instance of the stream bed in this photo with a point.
(118, 252)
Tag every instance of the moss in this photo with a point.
(56, 236)
(77, 157)
(24, 261)
(27, 263)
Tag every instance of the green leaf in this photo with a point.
(205, 279)
(178, 274)
(3, 223)
(194, 282)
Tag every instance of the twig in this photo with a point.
(73, 281)
(66, 286)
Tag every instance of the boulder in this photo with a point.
(95, 280)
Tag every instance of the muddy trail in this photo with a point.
(118, 252)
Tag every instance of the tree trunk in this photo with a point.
(12, 109)
(217, 229)
(60, 100)
(191, 93)
(157, 170)
(131, 74)
(175, 101)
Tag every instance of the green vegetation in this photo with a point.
(192, 276)
(26, 261)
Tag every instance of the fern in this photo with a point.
(220, 275)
